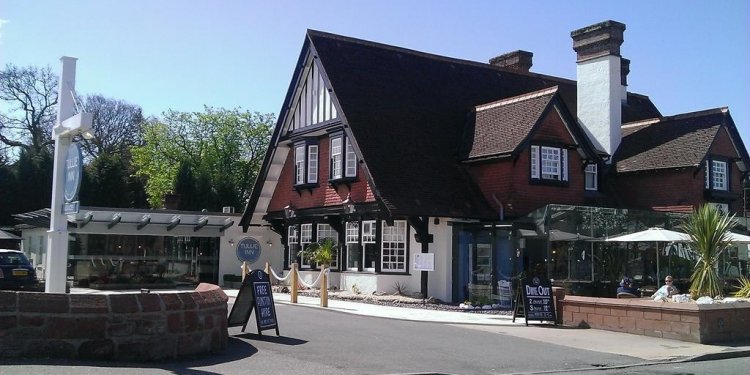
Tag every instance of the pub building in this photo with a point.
(490, 170)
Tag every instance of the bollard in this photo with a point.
(294, 282)
(267, 269)
(244, 270)
(324, 289)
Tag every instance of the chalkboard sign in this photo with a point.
(254, 293)
(535, 301)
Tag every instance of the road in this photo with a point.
(317, 341)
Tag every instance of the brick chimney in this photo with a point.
(517, 60)
(601, 82)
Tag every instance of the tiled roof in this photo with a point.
(499, 127)
(668, 142)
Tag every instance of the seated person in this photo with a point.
(666, 291)
(626, 286)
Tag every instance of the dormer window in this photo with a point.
(306, 163)
(717, 175)
(343, 159)
(549, 164)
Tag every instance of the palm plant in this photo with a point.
(321, 252)
(708, 230)
(743, 290)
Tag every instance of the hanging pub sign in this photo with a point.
(248, 250)
(255, 293)
(73, 174)
(535, 301)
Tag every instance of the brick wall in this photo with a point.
(144, 326)
(678, 321)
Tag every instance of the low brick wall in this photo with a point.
(679, 321)
(135, 326)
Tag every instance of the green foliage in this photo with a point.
(108, 182)
(222, 148)
(708, 230)
(743, 290)
(321, 252)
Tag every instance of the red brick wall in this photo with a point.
(509, 180)
(138, 326)
(676, 189)
(678, 321)
(322, 195)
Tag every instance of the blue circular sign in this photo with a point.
(248, 250)
(73, 172)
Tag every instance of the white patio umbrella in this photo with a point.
(652, 235)
(738, 238)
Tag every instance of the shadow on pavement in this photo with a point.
(273, 339)
(237, 349)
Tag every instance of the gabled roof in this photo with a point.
(407, 111)
(673, 142)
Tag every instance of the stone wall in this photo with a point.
(679, 321)
(133, 326)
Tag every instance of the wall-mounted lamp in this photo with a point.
(348, 205)
(269, 243)
(231, 242)
(289, 211)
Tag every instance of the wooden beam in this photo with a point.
(227, 223)
(116, 218)
(201, 223)
(173, 223)
(145, 220)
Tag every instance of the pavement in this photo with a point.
(649, 349)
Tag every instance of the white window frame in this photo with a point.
(351, 238)
(337, 158)
(548, 163)
(393, 247)
(299, 165)
(719, 175)
(312, 164)
(351, 160)
(305, 238)
(292, 242)
(591, 175)
(369, 237)
(535, 162)
(326, 231)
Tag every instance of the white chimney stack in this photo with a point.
(601, 82)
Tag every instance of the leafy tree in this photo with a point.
(708, 230)
(33, 181)
(107, 183)
(30, 96)
(223, 148)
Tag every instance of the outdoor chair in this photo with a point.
(626, 295)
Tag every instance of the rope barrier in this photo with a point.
(277, 277)
(314, 283)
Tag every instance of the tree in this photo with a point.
(30, 97)
(224, 149)
(116, 123)
(321, 252)
(708, 230)
(108, 182)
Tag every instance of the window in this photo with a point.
(369, 245)
(306, 163)
(343, 159)
(305, 238)
(292, 241)
(394, 247)
(548, 163)
(325, 231)
(591, 172)
(717, 175)
(353, 248)
(336, 158)
(351, 160)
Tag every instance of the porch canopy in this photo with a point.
(655, 235)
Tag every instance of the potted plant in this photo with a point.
(321, 252)
(708, 230)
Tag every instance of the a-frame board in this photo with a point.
(255, 293)
(535, 301)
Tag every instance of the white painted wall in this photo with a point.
(271, 253)
(600, 94)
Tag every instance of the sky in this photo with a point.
(685, 55)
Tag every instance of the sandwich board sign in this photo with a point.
(535, 301)
(255, 294)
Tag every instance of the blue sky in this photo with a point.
(686, 55)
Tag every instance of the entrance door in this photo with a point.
(482, 274)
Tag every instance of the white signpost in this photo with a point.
(69, 124)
